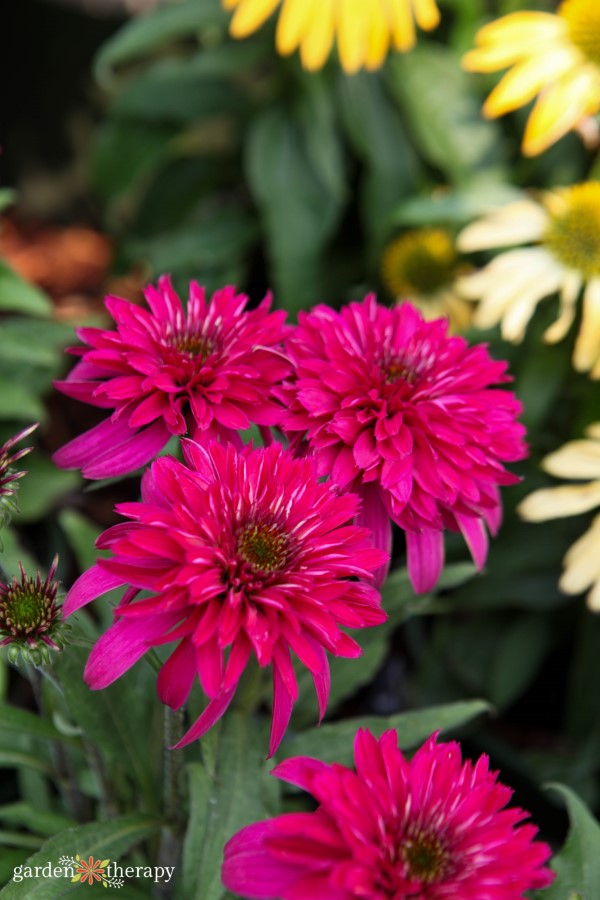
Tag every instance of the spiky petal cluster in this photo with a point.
(434, 828)
(208, 372)
(412, 419)
(245, 553)
(8, 476)
(30, 617)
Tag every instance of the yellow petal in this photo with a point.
(250, 15)
(403, 26)
(559, 109)
(230, 4)
(524, 303)
(292, 24)
(593, 431)
(525, 81)
(352, 32)
(522, 28)
(426, 13)
(577, 459)
(317, 44)
(515, 223)
(587, 345)
(556, 503)
(379, 38)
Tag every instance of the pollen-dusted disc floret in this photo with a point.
(30, 617)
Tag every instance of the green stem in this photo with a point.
(67, 781)
(169, 850)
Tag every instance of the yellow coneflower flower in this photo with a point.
(365, 29)
(421, 266)
(565, 228)
(576, 460)
(555, 56)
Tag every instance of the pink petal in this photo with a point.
(474, 533)
(425, 553)
(91, 584)
(121, 647)
(374, 516)
(282, 711)
(176, 677)
(211, 714)
(251, 871)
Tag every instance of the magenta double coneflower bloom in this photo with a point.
(408, 417)
(245, 553)
(434, 828)
(207, 372)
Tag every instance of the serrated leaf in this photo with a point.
(335, 742)
(577, 865)
(110, 839)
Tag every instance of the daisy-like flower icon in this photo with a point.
(577, 460)
(208, 371)
(555, 57)
(432, 828)
(364, 31)
(30, 617)
(563, 229)
(410, 418)
(8, 476)
(245, 553)
(422, 266)
(90, 870)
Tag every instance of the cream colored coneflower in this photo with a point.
(555, 57)
(564, 228)
(421, 266)
(576, 460)
(364, 31)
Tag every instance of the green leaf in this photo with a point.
(17, 295)
(518, 657)
(82, 534)
(335, 743)
(126, 152)
(379, 137)
(120, 719)
(12, 718)
(577, 866)
(144, 34)
(179, 91)
(223, 801)
(456, 207)
(18, 402)
(447, 124)
(105, 840)
(299, 203)
(7, 197)
(37, 820)
(15, 759)
(43, 487)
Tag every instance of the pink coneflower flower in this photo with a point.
(409, 418)
(434, 828)
(245, 553)
(8, 476)
(208, 372)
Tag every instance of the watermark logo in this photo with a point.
(91, 870)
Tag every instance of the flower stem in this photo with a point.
(169, 849)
